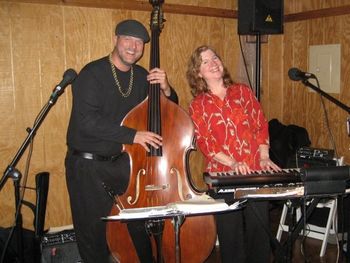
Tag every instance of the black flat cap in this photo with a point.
(132, 28)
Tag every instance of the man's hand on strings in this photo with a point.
(146, 138)
(158, 76)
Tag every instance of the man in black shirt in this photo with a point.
(103, 93)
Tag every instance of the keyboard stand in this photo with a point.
(283, 251)
(293, 233)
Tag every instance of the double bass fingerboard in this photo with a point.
(154, 112)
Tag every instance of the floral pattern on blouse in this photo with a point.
(235, 126)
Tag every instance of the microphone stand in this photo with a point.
(12, 172)
(257, 65)
(326, 95)
(347, 109)
(329, 97)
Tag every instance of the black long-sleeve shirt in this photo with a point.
(99, 108)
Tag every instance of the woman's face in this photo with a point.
(211, 67)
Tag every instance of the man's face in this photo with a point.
(129, 49)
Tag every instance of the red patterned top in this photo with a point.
(235, 126)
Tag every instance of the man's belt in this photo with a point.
(93, 156)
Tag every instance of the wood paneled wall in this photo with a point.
(299, 105)
(38, 42)
(293, 103)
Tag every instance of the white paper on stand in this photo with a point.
(201, 205)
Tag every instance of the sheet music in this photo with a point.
(154, 211)
(194, 206)
(188, 207)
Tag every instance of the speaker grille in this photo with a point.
(61, 253)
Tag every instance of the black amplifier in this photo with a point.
(312, 157)
(311, 153)
(58, 238)
(60, 247)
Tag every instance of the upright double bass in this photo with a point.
(161, 176)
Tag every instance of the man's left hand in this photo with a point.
(159, 76)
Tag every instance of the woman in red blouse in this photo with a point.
(232, 133)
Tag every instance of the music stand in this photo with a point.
(173, 212)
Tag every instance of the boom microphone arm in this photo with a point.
(326, 95)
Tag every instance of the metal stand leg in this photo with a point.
(177, 222)
(156, 227)
(19, 223)
(290, 241)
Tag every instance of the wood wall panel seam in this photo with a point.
(188, 9)
(139, 6)
(320, 13)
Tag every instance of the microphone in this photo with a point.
(297, 74)
(68, 77)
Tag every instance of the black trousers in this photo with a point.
(242, 237)
(89, 202)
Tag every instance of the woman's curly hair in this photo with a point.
(198, 84)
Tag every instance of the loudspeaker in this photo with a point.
(260, 17)
(60, 248)
(61, 253)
